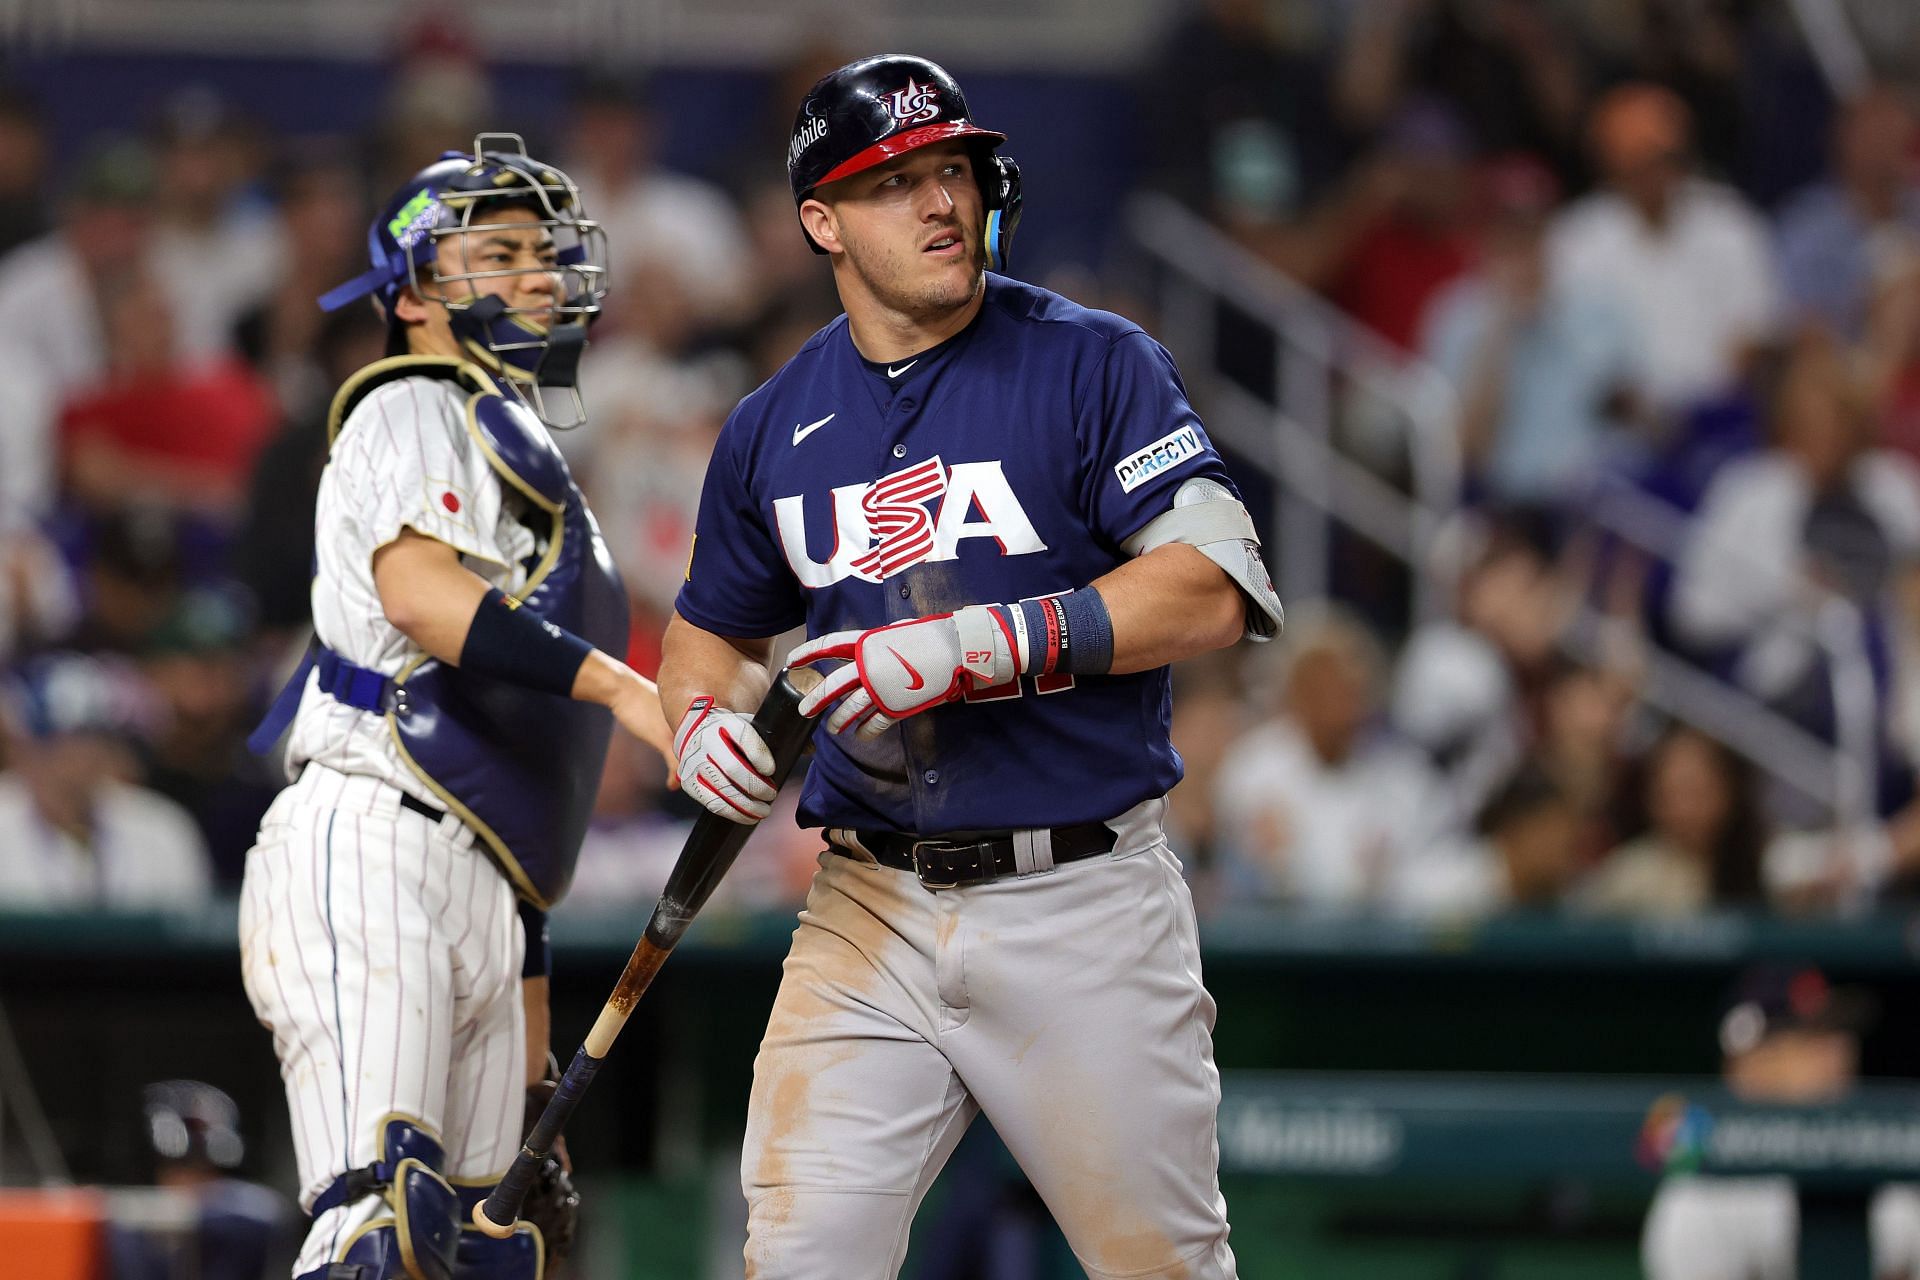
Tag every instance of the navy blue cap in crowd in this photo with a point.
(531, 349)
(58, 695)
(1770, 998)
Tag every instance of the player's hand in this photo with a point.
(896, 671)
(724, 762)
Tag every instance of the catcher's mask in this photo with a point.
(534, 350)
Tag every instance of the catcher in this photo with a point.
(448, 733)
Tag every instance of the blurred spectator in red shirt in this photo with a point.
(160, 430)
(1423, 240)
(50, 322)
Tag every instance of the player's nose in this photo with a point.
(543, 284)
(940, 206)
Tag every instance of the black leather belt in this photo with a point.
(410, 801)
(953, 862)
(421, 807)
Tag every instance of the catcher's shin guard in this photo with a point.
(521, 1256)
(416, 1235)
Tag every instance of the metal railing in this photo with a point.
(1319, 353)
(1322, 358)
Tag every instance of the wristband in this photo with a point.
(538, 960)
(512, 644)
(1071, 633)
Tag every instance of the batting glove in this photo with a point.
(724, 762)
(896, 671)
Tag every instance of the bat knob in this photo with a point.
(499, 1231)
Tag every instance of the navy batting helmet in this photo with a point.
(870, 111)
(460, 194)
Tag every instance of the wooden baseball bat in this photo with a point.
(710, 849)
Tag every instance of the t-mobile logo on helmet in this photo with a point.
(914, 103)
(809, 133)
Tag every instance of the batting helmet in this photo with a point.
(870, 111)
(459, 194)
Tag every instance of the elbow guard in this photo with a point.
(1206, 516)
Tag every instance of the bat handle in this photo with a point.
(497, 1214)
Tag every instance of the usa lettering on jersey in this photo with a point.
(1164, 454)
(920, 513)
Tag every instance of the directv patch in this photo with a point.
(1164, 454)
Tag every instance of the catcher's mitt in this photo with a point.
(552, 1203)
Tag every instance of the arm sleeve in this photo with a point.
(406, 462)
(738, 583)
(1139, 439)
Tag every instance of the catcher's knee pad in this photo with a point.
(416, 1235)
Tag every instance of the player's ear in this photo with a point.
(407, 306)
(817, 217)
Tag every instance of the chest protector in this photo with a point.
(518, 766)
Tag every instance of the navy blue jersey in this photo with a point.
(1013, 460)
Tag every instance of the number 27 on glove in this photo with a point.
(900, 670)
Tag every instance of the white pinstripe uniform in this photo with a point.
(383, 949)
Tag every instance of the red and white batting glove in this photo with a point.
(724, 762)
(896, 671)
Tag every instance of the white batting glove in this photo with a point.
(896, 671)
(724, 762)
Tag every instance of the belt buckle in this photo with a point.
(920, 866)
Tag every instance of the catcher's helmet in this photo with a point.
(870, 111)
(459, 194)
(188, 1121)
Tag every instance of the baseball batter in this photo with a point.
(450, 732)
(1000, 519)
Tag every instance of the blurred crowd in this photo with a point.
(1669, 267)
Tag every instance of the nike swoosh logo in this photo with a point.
(894, 373)
(801, 433)
(914, 678)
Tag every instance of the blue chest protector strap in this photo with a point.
(342, 680)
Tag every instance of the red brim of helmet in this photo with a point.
(901, 143)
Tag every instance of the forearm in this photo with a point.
(533, 996)
(435, 600)
(1169, 604)
(693, 661)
